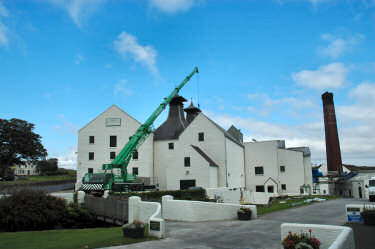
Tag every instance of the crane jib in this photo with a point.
(122, 159)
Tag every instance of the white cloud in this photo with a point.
(79, 59)
(120, 88)
(337, 46)
(3, 29)
(79, 10)
(68, 159)
(172, 6)
(128, 46)
(66, 126)
(331, 76)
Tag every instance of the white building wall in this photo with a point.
(29, 169)
(294, 175)
(263, 154)
(308, 172)
(99, 129)
(235, 164)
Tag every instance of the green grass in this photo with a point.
(35, 179)
(67, 239)
(290, 202)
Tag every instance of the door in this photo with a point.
(185, 184)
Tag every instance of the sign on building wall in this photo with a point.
(113, 122)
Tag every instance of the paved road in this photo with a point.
(263, 232)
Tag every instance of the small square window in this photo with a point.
(283, 186)
(135, 155)
(113, 141)
(270, 189)
(200, 136)
(135, 171)
(90, 170)
(259, 171)
(112, 155)
(91, 155)
(282, 168)
(91, 139)
(259, 188)
(171, 146)
(187, 161)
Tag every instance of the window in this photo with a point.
(283, 186)
(135, 156)
(282, 168)
(187, 162)
(186, 184)
(135, 171)
(112, 155)
(91, 155)
(171, 146)
(90, 170)
(91, 139)
(113, 141)
(259, 171)
(200, 136)
(270, 189)
(259, 188)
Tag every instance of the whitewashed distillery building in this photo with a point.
(192, 150)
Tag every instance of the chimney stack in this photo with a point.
(333, 152)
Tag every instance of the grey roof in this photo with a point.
(205, 156)
(175, 123)
(236, 133)
(305, 150)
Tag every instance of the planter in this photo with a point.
(133, 233)
(243, 216)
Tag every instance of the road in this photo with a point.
(263, 232)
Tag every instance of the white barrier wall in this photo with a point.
(200, 211)
(149, 213)
(69, 197)
(331, 237)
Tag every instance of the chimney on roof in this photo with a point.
(191, 112)
(175, 123)
(333, 152)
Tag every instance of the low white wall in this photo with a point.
(331, 237)
(147, 212)
(69, 196)
(181, 210)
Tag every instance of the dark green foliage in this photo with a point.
(28, 210)
(47, 167)
(190, 194)
(77, 217)
(18, 143)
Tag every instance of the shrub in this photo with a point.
(28, 210)
(77, 217)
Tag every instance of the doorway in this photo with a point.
(185, 184)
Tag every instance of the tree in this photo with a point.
(45, 166)
(18, 143)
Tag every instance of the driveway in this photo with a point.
(263, 232)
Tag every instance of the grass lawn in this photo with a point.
(35, 179)
(69, 238)
(289, 203)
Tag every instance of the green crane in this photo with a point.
(108, 181)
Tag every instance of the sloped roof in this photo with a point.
(205, 156)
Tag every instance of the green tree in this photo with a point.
(18, 143)
(49, 165)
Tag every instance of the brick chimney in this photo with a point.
(333, 152)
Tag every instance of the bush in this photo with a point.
(189, 194)
(300, 241)
(77, 217)
(28, 210)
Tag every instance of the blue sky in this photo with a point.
(263, 66)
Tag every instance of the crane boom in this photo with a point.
(123, 158)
